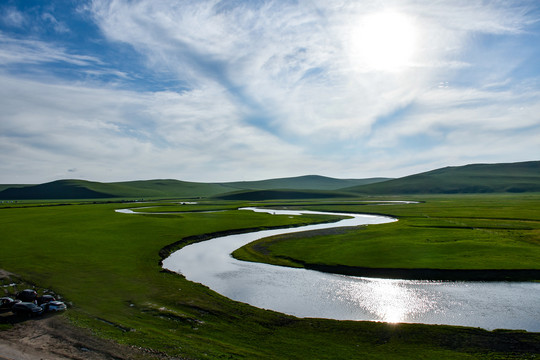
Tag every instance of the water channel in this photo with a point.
(307, 293)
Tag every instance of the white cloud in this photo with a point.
(28, 51)
(58, 26)
(271, 89)
(12, 17)
(456, 126)
(291, 60)
(477, 110)
(120, 135)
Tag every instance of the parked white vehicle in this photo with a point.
(54, 306)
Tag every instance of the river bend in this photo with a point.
(308, 293)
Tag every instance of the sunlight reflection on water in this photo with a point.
(307, 293)
(387, 300)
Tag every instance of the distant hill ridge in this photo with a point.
(307, 182)
(164, 188)
(61, 189)
(475, 178)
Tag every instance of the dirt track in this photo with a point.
(52, 337)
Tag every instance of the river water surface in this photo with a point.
(308, 293)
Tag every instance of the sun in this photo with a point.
(384, 41)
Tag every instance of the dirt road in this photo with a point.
(53, 337)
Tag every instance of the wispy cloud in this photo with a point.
(444, 111)
(268, 88)
(181, 134)
(10, 16)
(21, 51)
(291, 61)
(58, 26)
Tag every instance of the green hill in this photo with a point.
(7, 186)
(307, 182)
(258, 195)
(475, 178)
(168, 188)
(61, 189)
(82, 189)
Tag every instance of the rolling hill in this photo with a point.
(82, 189)
(307, 182)
(62, 189)
(475, 178)
(257, 195)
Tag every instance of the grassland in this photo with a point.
(106, 265)
(482, 233)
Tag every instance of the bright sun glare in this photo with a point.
(384, 41)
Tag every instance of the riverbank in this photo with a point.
(167, 250)
(56, 338)
(475, 238)
(429, 274)
(286, 290)
(258, 252)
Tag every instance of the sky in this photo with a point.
(233, 90)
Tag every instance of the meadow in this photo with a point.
(467, 232)
(106, 266)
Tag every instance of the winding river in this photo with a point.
(308, 293)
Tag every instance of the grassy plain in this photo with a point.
(106, 265)
(478, 232)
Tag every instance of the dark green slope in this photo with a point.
(475, 178)
(82, 189)
(164, 188)
(258, 195)
(7, 186)
(168, 188)
(61, 189)
(307, 182)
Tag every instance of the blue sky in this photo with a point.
(245, 90)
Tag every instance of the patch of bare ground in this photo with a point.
(53, 337)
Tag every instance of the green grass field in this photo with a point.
(474, 232)
(106, 265)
